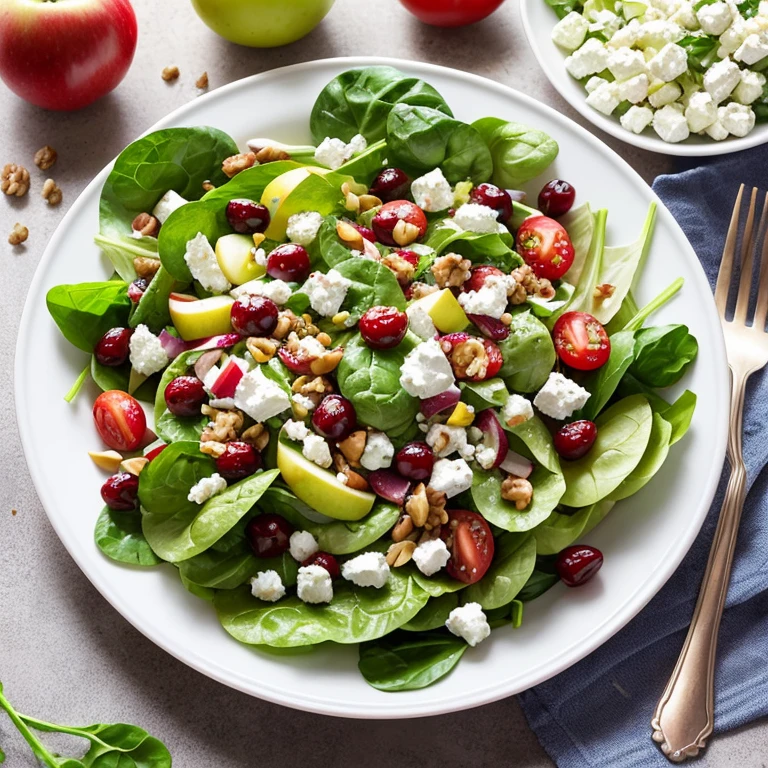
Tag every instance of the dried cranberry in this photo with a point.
(391, 184)
(494, 197)
(576, 565)
(368, 234)
(239, 460)
(185, 395)
(121, 492)
(575, 439)
(247, 217)
(556, 198)
(289, 262)
(410, 256)
(269, 535)
(324, 560)
(383, 327)
(415, 461)
(113, 347)
(335, 417)
(254, 315)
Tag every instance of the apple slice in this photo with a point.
(201, 317)
(445, 311)
(227, 381)
(235, 254)
(320, 489)
(282, 204)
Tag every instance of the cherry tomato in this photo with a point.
(451, 13)
(581, 341)
(545, 247)
(470, 541)
(120, 420)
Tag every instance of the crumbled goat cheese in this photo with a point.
(420, 322)
(204, 266)
(260, 397)
(714, 18)
(560, 397)
(295, 430)
(367, 570)
(432, 192)
(637, 119)
(750, 88)
(590, 59)
(669, 63)
(147, 355)
(378, 452)
(701, 111)
(302, 400)
(260, 256)
(737, 119)
(167, 204)
(452, 439)
(326, 291)
(426, 372)
(570, 31)
(302, 227)
(317, 450)
(670, 123)
(451, 477)
(605, 98)
(334, 152)
(203, 489)
(594, 83)
(486, 457)
(665, 94)
(476, 218)
(267, 586)
(490, 300)
(634, 90)
(624, 63)
(517, 409)
(752, 50)
(303, 545)
(277, 290)
(469, 622)
(314, 585)
(430, 556)
(717, 132)
(721, 78)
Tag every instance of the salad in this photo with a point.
(676, 66)
(388, 396)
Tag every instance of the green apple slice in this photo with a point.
(445, 311)
(235, 254)
(201, 318)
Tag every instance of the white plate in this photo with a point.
(644, 539)
(538, 20)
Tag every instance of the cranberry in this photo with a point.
(288, 262)
(556, 198)
(365, 232)
(136, 289)
(575, 439)
(254, 315)
(410, 256)
(478, 276)
(121, 492)
(578, 564)
(247, 217)
(269, 535)
(335, 417)
(390, 214)
(383, 327)
(494, 197)
(391, 184)
(113, 347)
(324, 560)
(415, 461)
(155, 452)
(185, 395)
(238, 461)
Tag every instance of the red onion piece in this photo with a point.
(172, 345)
(216, 342)
(434, 405)
(389, 485)
(490, 327)
(516, 465)
(494, 435)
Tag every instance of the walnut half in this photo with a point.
(517, 490)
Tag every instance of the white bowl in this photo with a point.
(538, 21)
(644, 539)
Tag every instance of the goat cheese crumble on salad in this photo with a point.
(387, 396)
(681, 67)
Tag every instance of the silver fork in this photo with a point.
(684, 716)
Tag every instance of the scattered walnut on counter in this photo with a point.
(51, 192)
(202, 81)
(14, 180)
(18, 235)
(45, 157)
(169, 74)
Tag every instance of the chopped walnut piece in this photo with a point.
(213, 448)
(402, 268)
(236, 163)
(313, 387)
(261, 348)
(420, 290)
(202, 81)
(146, 266)
(288, 322)
(469, 359)
(169, 74)
(451, 270)
(271, 155)
(45, 157)
(400, 553)
(524, 283)
(403, 528)
(517, 490)
(257, 436)
(353, 446)
(18, 235)
(417, 505)
(14, 180)
(146, 225)
(437, 514)
(224, 425)
(51, 192)
(603, 291)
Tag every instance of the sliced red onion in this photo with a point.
(389, 485)
(490, 327)
(517, 195)
(206, 361)
(516, 465)
(494, 435)
(216, 342)
(431, 406)
(172, 345)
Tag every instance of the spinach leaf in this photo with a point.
(519, 153)
(360, 100)
(422, 138)
(122, 249)
(404, 662)
(563, 7)
(356, 614)
(86, 311)
(561, 530)
(119, 377)
(434, 614)
(438, 584)
(701, 50)
(491, 393)
(580, 225)
(663, 354)
(494, 248)
(513, 562)
(251, 182)
(172, 428)
(535, 440)
(188, 532)
(528, 353)
(548, 307)
(327, 249)
(623, 432)
(370, 380)
(204, 593)
(635, 323)
(364, 167)
(337, 537)
(539, 582)
(152, 309)
(118, 535)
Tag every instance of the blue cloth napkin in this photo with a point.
(598, 712)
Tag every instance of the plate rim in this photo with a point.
(611, 126)
(397, 708)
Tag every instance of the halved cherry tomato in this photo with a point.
(470, 541)
(581, 341)
(120, 420)
(451, 13)
(545, 247)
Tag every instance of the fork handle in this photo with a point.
(684, 716)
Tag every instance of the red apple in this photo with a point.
(65, 54)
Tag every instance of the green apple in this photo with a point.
(262, 23)
(236, 258)
(319, 487)
(445, 311)
(199, 318)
